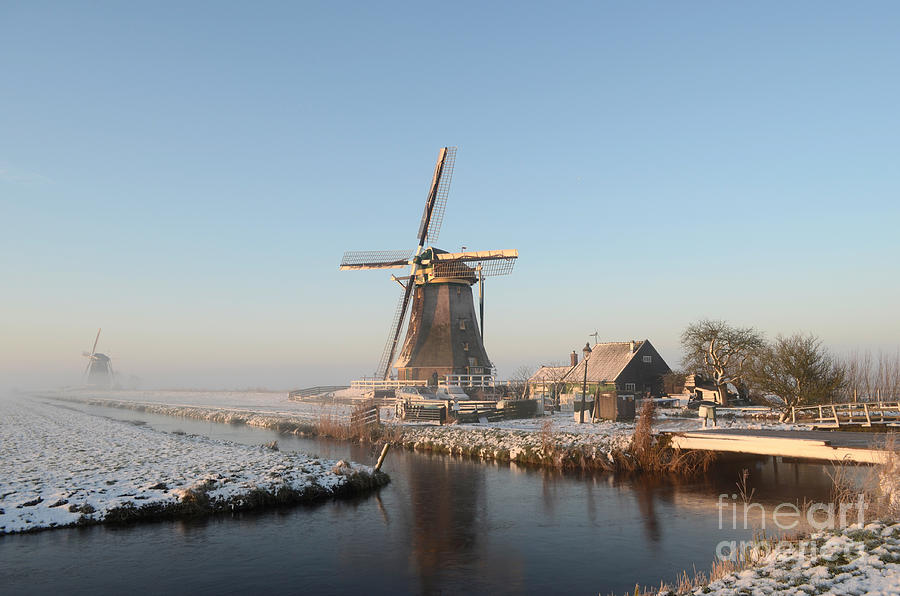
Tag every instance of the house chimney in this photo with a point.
(632, 346)
(573, 358)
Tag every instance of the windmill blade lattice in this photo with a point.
(376, 259)
(468, 269)
(390, 348)
(437, 197)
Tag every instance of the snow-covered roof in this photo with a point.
(549, 373)
(606, 361)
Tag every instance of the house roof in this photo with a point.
(549, 373)
(606, 361)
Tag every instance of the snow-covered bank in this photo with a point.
(540, 445)
(856, 560)
(61, 467)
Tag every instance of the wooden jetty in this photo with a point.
(851, 447)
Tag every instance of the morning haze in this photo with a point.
(189, 184)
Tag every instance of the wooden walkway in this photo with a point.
(854, 447)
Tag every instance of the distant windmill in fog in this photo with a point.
(99, 368)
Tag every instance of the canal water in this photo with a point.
(443, 525)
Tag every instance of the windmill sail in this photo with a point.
(99, 367)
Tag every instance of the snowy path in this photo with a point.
(57, 464)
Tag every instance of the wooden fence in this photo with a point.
(864, 414)
(365, 414)
(416, 412)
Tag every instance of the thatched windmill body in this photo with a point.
(444, 337)
(99, 367)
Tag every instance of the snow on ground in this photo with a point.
(856, 560)
(57, 464)
(263, 402)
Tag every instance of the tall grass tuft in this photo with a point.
(655, 454)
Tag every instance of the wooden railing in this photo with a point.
(321, 390)
(467, 381)
(865, 414)
(385, 384)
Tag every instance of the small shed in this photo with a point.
(615, 406)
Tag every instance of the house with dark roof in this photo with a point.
(631, 366)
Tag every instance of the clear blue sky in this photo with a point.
(187, 176)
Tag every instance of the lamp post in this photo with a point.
(587, 353)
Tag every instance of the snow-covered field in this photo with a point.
(58, 464)
(852, 561)
(262, 402)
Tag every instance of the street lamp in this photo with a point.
(587, 353)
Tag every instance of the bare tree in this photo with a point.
(721, 350)
(873, 377)
(854, 376)
(549, 378)
(888, 375)
(673, 382)
(798, 370)
(519, 381)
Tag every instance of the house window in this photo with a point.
(648, 359)
(629, 386)
(462, 323)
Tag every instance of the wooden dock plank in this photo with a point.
(819, 445)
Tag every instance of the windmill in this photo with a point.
(99, 367)
(443, 337)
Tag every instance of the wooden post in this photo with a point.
(381, 457)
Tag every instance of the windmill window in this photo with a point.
(474, 362)
(629, 386)
(648, 359)
(458, 290)
(462, 323)
(465, 346)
